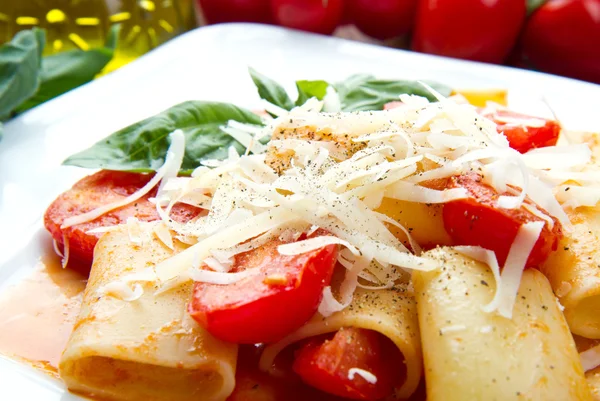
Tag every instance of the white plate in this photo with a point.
(210, 64)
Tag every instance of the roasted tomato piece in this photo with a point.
(102, 188)
(478, 220)
(524, 132)
(265, 307)
(326, 364)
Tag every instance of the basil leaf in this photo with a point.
(533, 5)
(308, 89)
(19, 69)
(364, 92)
(270, 90)
(350, 83)
(68, 70)
(142, 147)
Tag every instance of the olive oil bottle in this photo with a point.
(84, 24)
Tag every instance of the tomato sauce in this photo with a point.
(37, 315)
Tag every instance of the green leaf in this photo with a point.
(533, 5)
(270, 90)
(19, 69)
(142, 147)
(68, 70)
(308, 89)
(364, 92)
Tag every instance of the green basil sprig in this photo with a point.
(360, 92)
(270, 90)
(308, 89)
(142, 147)
(365, 92)
(20, 61)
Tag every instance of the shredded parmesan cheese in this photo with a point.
(122, 291)
(507, 282)
(590, 359)
(365, 374)
(332, 170)
(66, 249)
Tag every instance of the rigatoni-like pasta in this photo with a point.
(470, 354)
(574, 272)
(143, 349)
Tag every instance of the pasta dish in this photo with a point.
(430, 250)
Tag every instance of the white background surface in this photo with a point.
(209, 63)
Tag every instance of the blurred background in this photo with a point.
(556, 36)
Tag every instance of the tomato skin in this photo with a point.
(563, 37)
(478, 221)
(316, 16)
(324, 364)
(99, 189)
(523, 137)
(254, 310)
(475, 30)
(382, 19)
(219, 11)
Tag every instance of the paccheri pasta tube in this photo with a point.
(130, 344)
(391, 312)
(574, 272)
(470, 354)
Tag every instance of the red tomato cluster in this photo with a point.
(558, 36)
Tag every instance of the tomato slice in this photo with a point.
(325, 364)
(477, 220)
(524, 132)
(265, 307)
(99, 189)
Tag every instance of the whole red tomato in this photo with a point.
(319, 16)
(382, 19)
(480, 30)
(217, 11)
(563, 37)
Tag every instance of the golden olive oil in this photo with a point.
(84, 24)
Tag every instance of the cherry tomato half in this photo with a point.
(102, 188)
(382, 19)
(325, 364)
(265, 307)
(477, 30)
(319, 16)
(478, 221)
(563, 37)
(524, 132)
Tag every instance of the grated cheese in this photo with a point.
(590, 359)
(507, 282)
(365, 374)
(122, 291)
(337, 178)
(65, 259)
